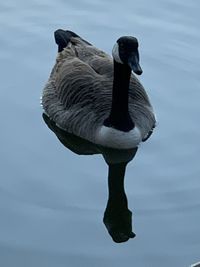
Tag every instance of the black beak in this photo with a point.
(133, 62)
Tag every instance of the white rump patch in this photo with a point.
(110, 137)
(115, 53)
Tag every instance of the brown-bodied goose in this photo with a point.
(98, 99)
(92, 97)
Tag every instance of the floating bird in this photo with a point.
(95, 104)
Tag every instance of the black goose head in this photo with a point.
(125, 51)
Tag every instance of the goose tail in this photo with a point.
(62, 38)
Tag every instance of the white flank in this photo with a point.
(115, 53)
(113, 138)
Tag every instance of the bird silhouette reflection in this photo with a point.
(117, 217)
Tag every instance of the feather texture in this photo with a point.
(78, 94)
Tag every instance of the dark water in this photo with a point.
(51, 200)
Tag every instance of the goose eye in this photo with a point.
(121, 47)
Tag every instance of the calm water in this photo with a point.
(51, 200)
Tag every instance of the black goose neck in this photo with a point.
(119, 115)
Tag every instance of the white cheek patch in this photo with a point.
(115, 53)
(197, 264)
(110, 137)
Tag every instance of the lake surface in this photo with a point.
(51, 200)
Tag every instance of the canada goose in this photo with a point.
(98, 100)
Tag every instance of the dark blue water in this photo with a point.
(51, 200)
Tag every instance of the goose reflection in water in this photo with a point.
(117, 217)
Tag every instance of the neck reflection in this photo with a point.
(117, 217)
